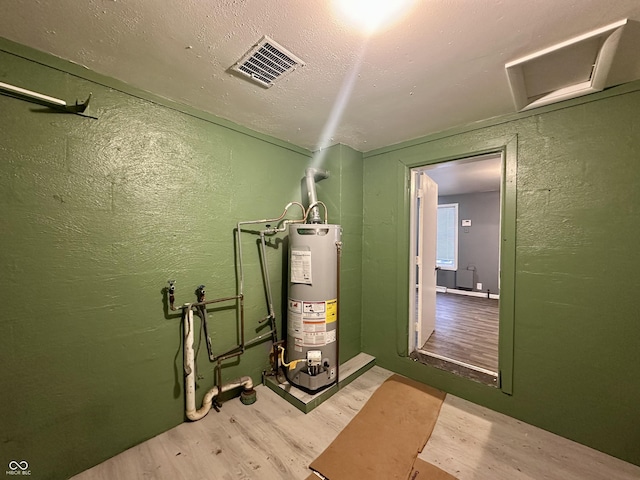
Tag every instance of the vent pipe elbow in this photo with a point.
(311, 174)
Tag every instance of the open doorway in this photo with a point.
(455, 241)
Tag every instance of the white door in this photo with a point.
(426, 258)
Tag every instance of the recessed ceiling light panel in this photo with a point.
(267, 62)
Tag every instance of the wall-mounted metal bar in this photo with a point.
(46, 100)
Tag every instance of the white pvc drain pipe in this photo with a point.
(190, 377)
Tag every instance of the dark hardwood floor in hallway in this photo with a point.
(466, 330)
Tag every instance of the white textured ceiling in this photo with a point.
(440, 66)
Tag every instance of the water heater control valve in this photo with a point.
(314, 358)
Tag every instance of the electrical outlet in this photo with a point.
(478, 286)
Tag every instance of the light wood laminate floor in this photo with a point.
(273, 440)
(466, 330)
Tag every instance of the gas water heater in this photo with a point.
(312, 316)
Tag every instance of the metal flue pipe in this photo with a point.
(311, 174)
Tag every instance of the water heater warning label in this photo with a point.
(301, 266)
(294, 319)
(332, 311)
(307, 322)
(314, 309)
(314, 324)
(316, 339)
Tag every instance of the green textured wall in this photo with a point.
(96, 215)
(344, 201)
(576, 369)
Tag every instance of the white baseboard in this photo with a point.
(466, 292)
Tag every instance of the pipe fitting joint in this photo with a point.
(200, 293)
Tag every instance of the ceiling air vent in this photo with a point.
(570, 69)
(267, 62)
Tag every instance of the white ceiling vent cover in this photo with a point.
(570, 69)
(267, 62)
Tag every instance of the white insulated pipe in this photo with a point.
(32, 95)
(190, 377)
(45, 100)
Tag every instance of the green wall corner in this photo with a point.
(97, 215)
